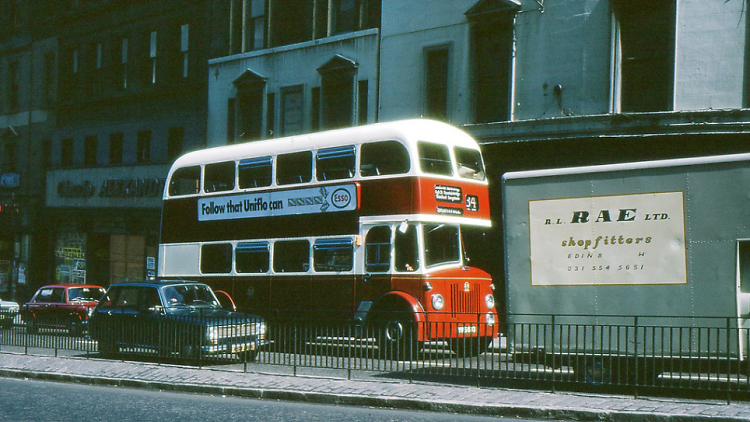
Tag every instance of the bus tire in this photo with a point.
(396, 335)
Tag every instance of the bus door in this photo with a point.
(376, 280)
(290, 283)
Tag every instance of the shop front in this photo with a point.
(104, 223)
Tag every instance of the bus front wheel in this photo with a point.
(396, 335)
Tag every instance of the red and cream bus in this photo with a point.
(367, 223)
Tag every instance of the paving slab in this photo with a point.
(377, 392)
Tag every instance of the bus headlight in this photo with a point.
(489, 300)
(490, 319)
(438, 302)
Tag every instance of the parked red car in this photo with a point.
(61, 306)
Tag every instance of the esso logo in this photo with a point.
(341, 198)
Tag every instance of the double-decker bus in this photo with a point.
(369, 224)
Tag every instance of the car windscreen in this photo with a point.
(182, 295)
(85, 294)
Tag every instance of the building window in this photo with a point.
(115, 148)
(49, 78)
(14, 13)
(96, 69)
(10, 156)
(248, 106)
(645, 71)
(46, 154)
(291, 21)
(123, 64)
(174, 142)
(89, 151)
(362, 100)
(231, 119)
(315, 109)
(345, 16)
(143, 147)
(66, 152)
(247, 25)
(337, 92)
(270, 114)
(291, 111)
(13, 85)
(492, 55)
(184, 46)
(152, 56)
(436, 83)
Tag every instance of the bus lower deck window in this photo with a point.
(333, 254)
(252, 257)
(291, 256)
(216, 258)
(378, 249)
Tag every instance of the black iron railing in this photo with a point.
(639, 355)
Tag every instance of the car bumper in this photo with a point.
(234, 347)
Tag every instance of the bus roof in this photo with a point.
(407, 131)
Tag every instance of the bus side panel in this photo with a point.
(333, 295)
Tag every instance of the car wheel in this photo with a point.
(31, 327)
(190, 352)
(6, 323)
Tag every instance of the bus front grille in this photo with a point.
(463, 302)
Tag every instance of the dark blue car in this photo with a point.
(173, 317)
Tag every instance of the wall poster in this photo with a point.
(70, 258)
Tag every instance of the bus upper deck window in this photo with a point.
(252, 257)
(435, 159)
(335, 163)
(333, 254)
(185, 181)
(255, 172)
(219, 177)
(469, 163)
(382, 158)
(294, 168)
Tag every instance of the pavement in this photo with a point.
(375, 392)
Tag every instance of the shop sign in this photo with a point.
(113, 188)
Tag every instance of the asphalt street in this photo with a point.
(42, 401)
